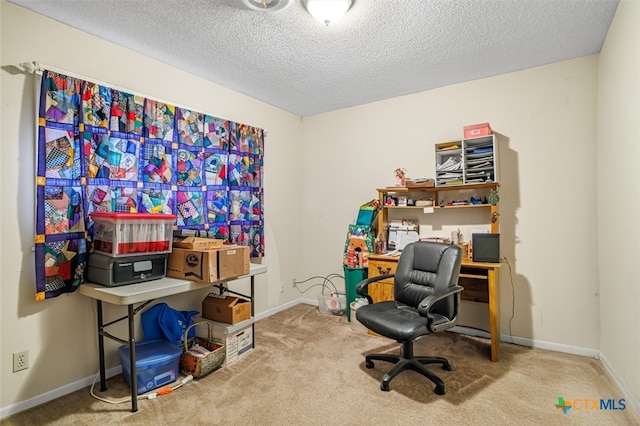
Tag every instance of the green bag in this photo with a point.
(358, 245)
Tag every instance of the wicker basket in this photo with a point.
(199, 366)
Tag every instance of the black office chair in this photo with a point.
(426, 300)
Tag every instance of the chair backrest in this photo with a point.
(425, 268)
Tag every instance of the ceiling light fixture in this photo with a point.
(328, 11)
(266, 5)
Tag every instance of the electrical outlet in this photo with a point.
(20, 361)
(293, 283)
(282, 287)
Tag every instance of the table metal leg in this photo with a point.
(132, 359)
(103, 378)
(253, 322)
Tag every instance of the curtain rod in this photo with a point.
(35, 67)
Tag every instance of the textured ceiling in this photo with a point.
(380, 49)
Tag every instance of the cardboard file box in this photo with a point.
(237, 338)
(230, 310)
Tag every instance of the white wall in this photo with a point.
(619, 194)
(545, 118)
(60, 334)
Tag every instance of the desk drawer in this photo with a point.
(475, 282)
(381, 290)
(382, 267)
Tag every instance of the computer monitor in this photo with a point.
(486, 247)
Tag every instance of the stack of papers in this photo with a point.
(450, 172)
(450, 165)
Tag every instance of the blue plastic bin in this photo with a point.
(157, 364)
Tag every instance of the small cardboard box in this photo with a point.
(197, 243)
(233, 262)
(195, 265)
(428, 183)
(230, 310)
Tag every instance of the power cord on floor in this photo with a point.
(149, 395)
(513, 297)
(325, 281)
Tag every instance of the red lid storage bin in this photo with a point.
(130, 234)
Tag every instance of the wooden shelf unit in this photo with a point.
(436, 194)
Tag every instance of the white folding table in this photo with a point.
(145, 293)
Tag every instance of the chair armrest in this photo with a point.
(424, 308)
(361, 288)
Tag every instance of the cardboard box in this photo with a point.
(230, 310)
(197, 243)
(237, 338)
(195, 265)
(477, 130)
(225, 263)
(428, 183)
(233, 262)
(237, 342)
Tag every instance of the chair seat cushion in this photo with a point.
(395, 320)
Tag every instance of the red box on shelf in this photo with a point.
(477, 130)
(130, 234)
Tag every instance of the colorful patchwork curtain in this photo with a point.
(105, 150)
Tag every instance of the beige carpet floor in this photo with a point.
(308, 369)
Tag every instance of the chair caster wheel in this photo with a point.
(384, 387)
(439, 390)
(368, 364)
(446, 366)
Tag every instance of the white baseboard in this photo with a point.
(55, 393)
(575, 350)
(628, 396)
(470, 331)
(633, 403)
(282, 307)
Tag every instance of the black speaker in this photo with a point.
(486, 247)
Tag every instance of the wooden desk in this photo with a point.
(480, 281)
(145, 293)
(484, 276)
